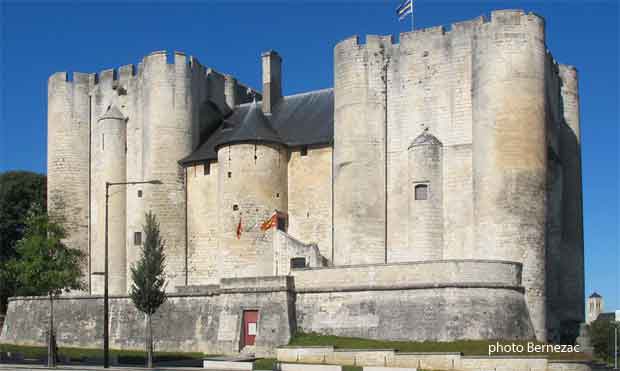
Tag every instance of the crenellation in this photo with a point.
(466, 26)
(374, 42)
(125, 73)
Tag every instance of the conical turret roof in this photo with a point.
(112, 113)
(251, 127)
(425, 139)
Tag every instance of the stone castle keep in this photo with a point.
(433, 194)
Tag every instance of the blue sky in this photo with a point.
(39, 38)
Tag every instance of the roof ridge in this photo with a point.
(296, 95)
(308, 92)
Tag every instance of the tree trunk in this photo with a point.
(51, 346)
(149, 342)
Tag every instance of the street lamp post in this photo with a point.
(106, 319)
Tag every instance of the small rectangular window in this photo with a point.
(207, 168)
(304, 151)
(230, 174)
(297, 263)
(102, 142)
(139, 193)
(137, 238)
(421, 192)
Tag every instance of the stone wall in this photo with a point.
(425, 314)
(207, 321)
(202, 215)
(408, 275)
(68, 155)
(359, 167)
(444, 300)
(285, 248)
(490, 92)
(310, 197)
(162, 102)
(435, 360)
(252, 185)
(505, 182)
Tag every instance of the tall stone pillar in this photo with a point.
(68, 126)
(510, 149)
(112, 126)
(572, 288)
(359, 167)
(169, 119)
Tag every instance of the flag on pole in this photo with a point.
(404, 9)
(239, 228)
(270, 223)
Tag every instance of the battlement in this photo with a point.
(504, 17)
(158, 60)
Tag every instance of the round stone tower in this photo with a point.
(425, 231)
(252, 185)
(168, 113)
(67, 156)
(359, 166)
(510, 149)
(111, 126)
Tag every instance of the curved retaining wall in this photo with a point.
(427, 274)
(424, 314)
(440, 300)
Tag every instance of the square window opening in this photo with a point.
(421, 192)
(297, 263)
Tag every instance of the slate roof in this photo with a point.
(425, 138)
(249, 125)
(595, 295)
(297, 120)
(112, 113)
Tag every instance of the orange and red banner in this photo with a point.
(270, 223)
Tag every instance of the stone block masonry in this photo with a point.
(497, 103)
(433, 194)
(388, 302)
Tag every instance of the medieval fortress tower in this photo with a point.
(433, 193)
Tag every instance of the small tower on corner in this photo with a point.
(594, 308)
(425, 198)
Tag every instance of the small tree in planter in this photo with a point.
(45, 265)
(149, 282)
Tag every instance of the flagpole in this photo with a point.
(412, 26)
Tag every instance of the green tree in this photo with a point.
(46, 265)
(19, 190)
(601, 336)
(148, 290)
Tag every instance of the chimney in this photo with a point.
(272, 80)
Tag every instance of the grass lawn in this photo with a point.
(467, 347)
(125, 356)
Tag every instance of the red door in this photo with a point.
(250, 326)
